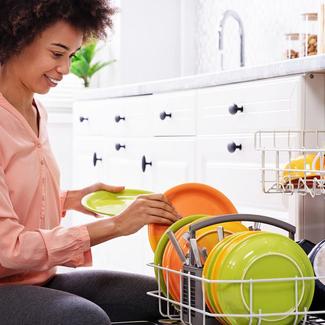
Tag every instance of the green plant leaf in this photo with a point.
(98, 66)
(89, 51)
(81, 67)
(81, 62)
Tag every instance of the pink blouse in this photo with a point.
(32, 242)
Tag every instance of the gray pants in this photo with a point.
(80, 298)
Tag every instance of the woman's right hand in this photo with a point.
(146, 209)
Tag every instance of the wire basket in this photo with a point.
(292, 161)
(192, 307)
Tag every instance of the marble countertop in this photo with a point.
(273, 70)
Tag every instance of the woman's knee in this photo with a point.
(79, 311)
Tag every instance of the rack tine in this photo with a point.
(196, 253)
(221, 234)
(204, 253)
(175, 243)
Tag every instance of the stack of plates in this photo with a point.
(258, 255)
(190, 199)
(193, 201)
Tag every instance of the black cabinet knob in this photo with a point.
(118, 118)
(81, 119)
(232, 147)
(118, 146)
(145, 163)
(233, 109)
(95, 159)
(163, 115)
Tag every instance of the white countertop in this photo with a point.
(273, 70)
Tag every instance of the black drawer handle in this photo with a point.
(163, 115)
(118, 146)
(81, 119)
(118, 118)
(233, 109)
(145, 163)
(95, 159)
(232, 147)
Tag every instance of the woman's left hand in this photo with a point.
(73, 198)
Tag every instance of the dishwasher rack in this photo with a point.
(278, 148)
(192, 308)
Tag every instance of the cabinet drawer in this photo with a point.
(174, 113)
(237, 174)
(259, 105)
(240, 148)
(87, 119)
(127, 116)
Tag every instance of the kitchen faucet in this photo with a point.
(234, 14)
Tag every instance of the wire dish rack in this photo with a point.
(281, 172)
(192, 308)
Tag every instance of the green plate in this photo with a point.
(108, 203)
(211, 263)
(264, 256)
(159, 252)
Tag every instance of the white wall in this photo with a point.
(265, 23)
(160, 39)
(149, 40)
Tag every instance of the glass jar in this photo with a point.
(293, 47)
(310, 33)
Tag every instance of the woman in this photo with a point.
(37, 41)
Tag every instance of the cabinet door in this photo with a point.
(124, 166)
(128, 162)
(238, 175)
(172, 162)
(88, 161)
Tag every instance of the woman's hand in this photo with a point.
(146, 209)
(73, 199)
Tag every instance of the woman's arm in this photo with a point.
(152, 208)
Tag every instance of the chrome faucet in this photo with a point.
(226, 15)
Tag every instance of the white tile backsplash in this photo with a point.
(265, 23)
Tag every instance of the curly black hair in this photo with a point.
(21, 21)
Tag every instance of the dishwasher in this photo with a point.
(192, 307)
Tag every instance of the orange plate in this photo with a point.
(192, 198)
(206, 237)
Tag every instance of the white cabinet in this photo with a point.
(155, 142)
(174, 113)
(250, 106)
(228, 117)
(237, 175)
(127, 162)
(155, 164)
(172, 162)
(129, 116)
(88, 161)
(85, 120)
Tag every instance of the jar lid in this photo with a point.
(310, 15)
(292, 36)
